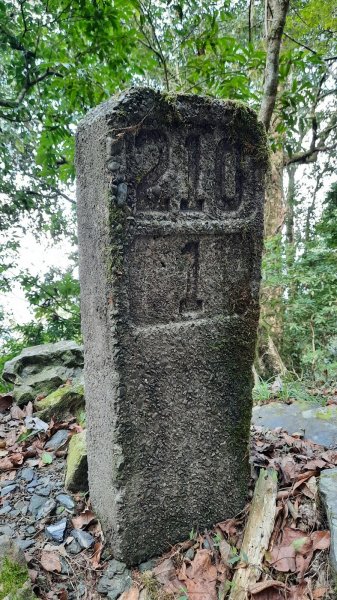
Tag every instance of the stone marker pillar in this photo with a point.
(170, 202)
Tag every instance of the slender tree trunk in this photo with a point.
(274, 210)
(276, 13)
(270, 360)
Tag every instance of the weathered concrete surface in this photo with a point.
(317, 423)
(170, 200)
(328, 491)
(43, 369)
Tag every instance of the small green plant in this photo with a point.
(183, 594)
(12, 578)
(217, 539)
(261, 392)
(236, 557)
(193, 534)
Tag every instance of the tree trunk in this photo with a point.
(271, 299)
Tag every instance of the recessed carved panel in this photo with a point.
(173, 279)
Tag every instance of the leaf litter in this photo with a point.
(295, 567)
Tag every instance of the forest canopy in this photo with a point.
(60, 58)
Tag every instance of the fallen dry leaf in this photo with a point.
(33, 575)
(7, 476)
(17, 413)
(29, 409)
(131, 594)
(268, 590)
(321, 540)
(165, 573)
(84, 519)
(96, 557)
(199, 579)
(299, 592)
(50, 561)
(266, 585)
(319, 593)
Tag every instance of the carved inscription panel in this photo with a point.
(186, 171)
(176, 279)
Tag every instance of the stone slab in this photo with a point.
(43, 368)
(317, 423)
(170, 218)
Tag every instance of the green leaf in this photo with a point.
(47, 458)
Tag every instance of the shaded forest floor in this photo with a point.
(64, 544)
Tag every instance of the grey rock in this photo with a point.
(114, 585)
(57, 440)
(32, 485)
(25, 544)
(9, 489)
(56, 531)
(67, 400)
(43, 369)
(6, 482)
(74, 547)
(115, 567)
(84, 538)
(66, 501)
(10, 549)
(36, 424)
(65, 567)
(27, 474)
(14, 512)
(7, 530)
(43, 490)
(148, 565)
(36, 503)
(189, 554)
(46, 509)
(119, 584)
(5, 509)
(169, 321)
(81, 588)
(317, 423)
(31, 530)
(327, 489)
(21, 504)
(76, 478)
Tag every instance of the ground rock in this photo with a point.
(66, 400)
(327, 489)
(77, 464)
(316, 423)
(11, 550)
(14, 579)
(115, 580)
(41, 369)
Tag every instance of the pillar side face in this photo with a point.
(170, 214)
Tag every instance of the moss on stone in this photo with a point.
(327, 413)
(77, 464)
(14, 581)
(65, 400)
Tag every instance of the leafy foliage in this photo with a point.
(61, 59)
(308, 301)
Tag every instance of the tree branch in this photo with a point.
(274, 38)
(6, 103)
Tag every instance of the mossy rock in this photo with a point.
(14, 578)
(66, 400)
(77, 464)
